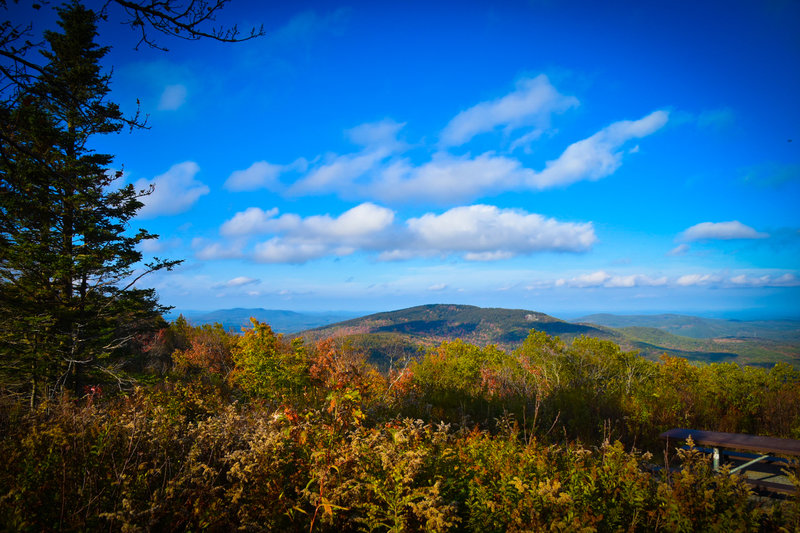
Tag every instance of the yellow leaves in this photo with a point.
(517, 483)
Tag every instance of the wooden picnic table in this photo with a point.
(766, 448)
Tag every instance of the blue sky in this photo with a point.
(565, 157)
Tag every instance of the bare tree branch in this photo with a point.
(183, 19)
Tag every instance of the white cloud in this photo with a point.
(593, 279)
(448, 179)
(477, 232)
(304, 239)
(175, 191)
(259, 175)
(679, 250)
(486, 232)
(360, 221)
(766, 280)
(689, 280)
(721, 230)
(525, 141)
(636, 280)
(383, 134)
(604, 279)
(239, 281)
(277, 250)
(212, 251)
(378, 172)
(251, 220)
(597, 156)
(339, 172)
(531, 103)
(173, 97)
(437, 287)
(154, 246)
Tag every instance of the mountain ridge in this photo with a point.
(428, 325)
(402, 332)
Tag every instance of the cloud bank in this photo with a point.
(475, 232)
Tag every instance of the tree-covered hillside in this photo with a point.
(427, 325)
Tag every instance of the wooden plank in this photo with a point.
(739, 441)
(771, 486)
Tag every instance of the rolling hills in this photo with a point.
(389, 335)
(281, 321)
(701, 328)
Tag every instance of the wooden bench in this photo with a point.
(724, 445)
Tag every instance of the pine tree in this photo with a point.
(68, 258)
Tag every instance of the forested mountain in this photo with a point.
(702, 328)
(386, 336)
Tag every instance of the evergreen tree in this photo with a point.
(68, 259)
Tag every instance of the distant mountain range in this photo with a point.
(395, 334)
(702, 328)
(280, 321)
(758, 343)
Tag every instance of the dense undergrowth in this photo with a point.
(255, 432)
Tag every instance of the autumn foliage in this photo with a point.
(261, 432)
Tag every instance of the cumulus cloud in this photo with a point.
(359, 221)
(722, 231)
(597, 156)
(486, 232)
(531, 102)
(251, 220)
(303, 239)
(175, 191)
(259, 175)
(173, 97)
(477, 233)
